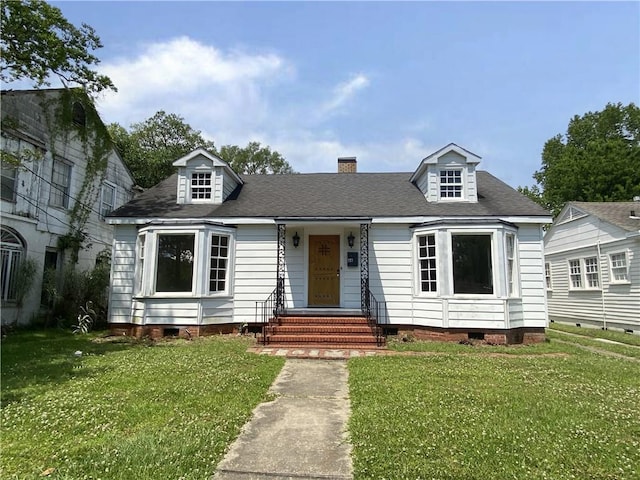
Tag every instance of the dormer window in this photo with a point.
(451, 184)
(204, 178)
(200, 186)
(448, 175)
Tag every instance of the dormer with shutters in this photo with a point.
(204, 178)
(448, 175)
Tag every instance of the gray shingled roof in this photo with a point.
(330, 195)
(616, 213)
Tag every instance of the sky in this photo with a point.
(387, 82)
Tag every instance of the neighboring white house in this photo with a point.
(452, 251)
(592, 265)
(42, 197)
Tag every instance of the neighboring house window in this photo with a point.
(9, 182)
(591, 272)
(472, 265)
(49, 278)
(511, 264)
(451, 184)
(78, 114)
(60, 183)
(11, 251)
(575, 273)
(200, 186)
(619, 267)
(175, 263)
(219, 261)
(547, 275)
(108, 199)
(427, 259)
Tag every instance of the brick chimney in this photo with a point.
(347, 165)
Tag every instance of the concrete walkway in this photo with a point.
(301, 434)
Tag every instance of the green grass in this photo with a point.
(450, 347)
(626, 350)
(573, 415)
(628, 338)
(125, 410)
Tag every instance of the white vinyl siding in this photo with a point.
(123, 266)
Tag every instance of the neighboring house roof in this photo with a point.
(331, 195)
(616, 213)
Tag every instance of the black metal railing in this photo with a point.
(269, 310)
(376, 313)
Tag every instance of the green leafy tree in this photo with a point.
(254, 158)
(38, 42)
(597, 160)
(151, 147)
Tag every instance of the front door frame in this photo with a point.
(312, 231)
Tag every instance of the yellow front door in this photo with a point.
(324, 270)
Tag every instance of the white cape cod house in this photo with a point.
(444, 252)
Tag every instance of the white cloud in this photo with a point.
(184, 76)
(343, 92)
(228, 95)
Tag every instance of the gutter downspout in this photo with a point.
(604, 308)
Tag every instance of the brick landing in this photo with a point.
(319, 353)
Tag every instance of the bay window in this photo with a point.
(427, 260)
(174, 271)
(184, 261)
(472, 264)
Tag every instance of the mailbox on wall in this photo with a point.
(352, 259)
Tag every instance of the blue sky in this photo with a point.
(387, 82)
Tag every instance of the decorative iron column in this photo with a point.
(364, 267)
(282, 242)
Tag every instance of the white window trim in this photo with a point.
(53, 186)
(189, 189)
(417, 280)
(494, 264)
(583, 274)
(612, 281)
(463, 184)
(515, 270)
(202, 246)
(113, 186)
(548, 276)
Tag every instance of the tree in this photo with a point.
(38, 42)
(254, 159)
(597, 160)
(150, 147)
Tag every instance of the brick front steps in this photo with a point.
(327, 332)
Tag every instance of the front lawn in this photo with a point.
(125, 410)
(567, 414)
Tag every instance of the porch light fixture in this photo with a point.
(296, 240)
(351, 239)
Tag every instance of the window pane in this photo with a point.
(427, 259)
(472, 270)
(619, 267)
(575, 273)
(175, 263)
(201, 185)
(591, 272)
(60, 180)
(218, 269)
(8, 182)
